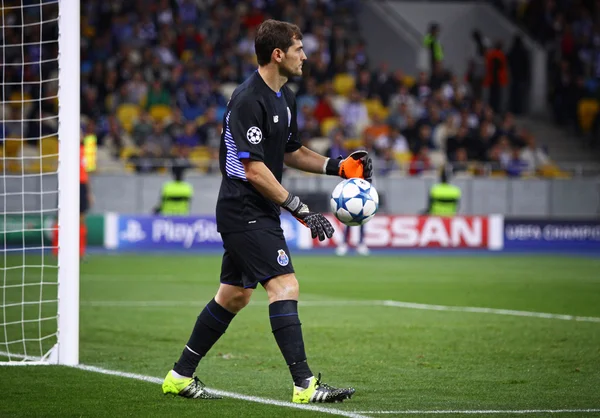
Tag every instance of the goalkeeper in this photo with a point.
(259, 135)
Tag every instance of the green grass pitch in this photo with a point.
(137, 312)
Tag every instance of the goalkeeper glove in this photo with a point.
(358, 164)
(318, 224)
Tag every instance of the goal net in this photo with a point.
(39, 167)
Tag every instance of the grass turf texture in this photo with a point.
(396, 358)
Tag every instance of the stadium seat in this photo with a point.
(328, 125)
(375, 107)
(587, 109)
(49, 160)
(353, 143)
(12, 148)
(200, 157)
(17, 99)
(402, 159)
(408, 81)
(160, 112)
(343, 84)
(187, 55)
(200, 120)
(127, 114)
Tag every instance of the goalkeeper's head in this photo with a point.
(279, 44)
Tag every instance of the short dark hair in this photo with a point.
(273, 34)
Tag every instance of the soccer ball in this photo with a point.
(354, 201)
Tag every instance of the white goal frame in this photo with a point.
(66, 349)
(68, 181)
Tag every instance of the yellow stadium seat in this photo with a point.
(353, 143)
(17, 99)
(187, 55)
(128, 114)
(408, 81)
(402, 158)
(160, 112)
(343, 84)
(328, 125)
(587, 109)
(127, 152)
(49, 158)
(12, 148)
(375, 107)
(200, 157)
(200, 120)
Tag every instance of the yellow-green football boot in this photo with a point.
(317, 391)
(188, 387)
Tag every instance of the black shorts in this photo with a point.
(253, 257)
(84, 201)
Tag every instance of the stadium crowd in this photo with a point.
(156, 76)
(570, 31)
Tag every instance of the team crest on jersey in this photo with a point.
(254, 135)
(289, 116)
(282, 258)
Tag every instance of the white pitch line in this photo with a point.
(225, 394)
(484, 411)
(388, 303)
(472, 309)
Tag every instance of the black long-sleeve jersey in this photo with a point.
(260, 125)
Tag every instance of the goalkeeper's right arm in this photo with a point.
(259, 175)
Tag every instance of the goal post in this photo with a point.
(68, 181)
(39, 176)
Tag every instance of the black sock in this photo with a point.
(287, 330)
(210, 325)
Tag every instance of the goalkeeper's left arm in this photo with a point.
(358, 164)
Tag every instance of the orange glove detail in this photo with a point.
(351, 168)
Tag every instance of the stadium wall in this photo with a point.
(577, 198)
(547, 198)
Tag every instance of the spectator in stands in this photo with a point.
(460, 163)
(476, 72)
(190, 137)
(393, 141)
(460, 140)
(399, 115)
(176, 124)
(137, 89)
(210, 129)
(520, 69)
(364, 84)
(534, 157)
(115, 139)
(158, 95)
(496, 75)
(433, 45)
(515, 166)
(158, 142)
(142, 129)
(421, 90)
(354, 115)
(324, 108)
(402, 95)
(420, 161)
(338, 145)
